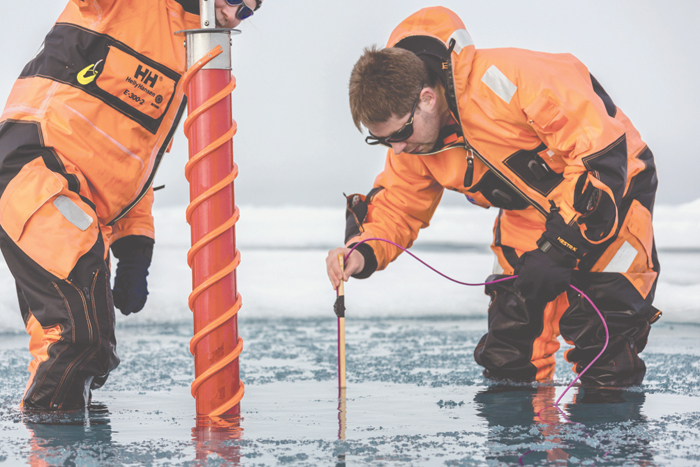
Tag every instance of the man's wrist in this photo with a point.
(133, 244)
(565, 239)
(370, 260)
(556, 253)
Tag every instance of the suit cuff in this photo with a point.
(133, 244)
(370, 260)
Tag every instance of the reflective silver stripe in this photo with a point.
(497, 269)
(623, 259)
(72, 212)
(462, 40)
(499, 83)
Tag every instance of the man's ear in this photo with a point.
(428, 98)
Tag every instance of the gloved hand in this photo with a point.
(545, 272)
(542, 277)
(130, 286)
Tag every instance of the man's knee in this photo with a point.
(73, 329)
(513, 326)
(619, 366)
(628, 318)
(503, 362)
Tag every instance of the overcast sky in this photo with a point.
(296, 142)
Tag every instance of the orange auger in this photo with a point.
(212, 216)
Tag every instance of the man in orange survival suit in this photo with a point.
(81, 137)
(536, 136)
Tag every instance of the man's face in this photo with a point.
(426, 126)
(226, 14)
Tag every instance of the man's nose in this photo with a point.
(229, 14)
(398, 147)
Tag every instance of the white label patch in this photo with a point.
(72, 212)
(499, 83)
(497, 269)
(462, 40)
(622, 260)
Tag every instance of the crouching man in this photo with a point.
(536, 136)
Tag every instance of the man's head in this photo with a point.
(393, 94)
(230, 13)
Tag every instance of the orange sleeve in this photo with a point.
(560, 104)
(405, 205)
(138, 221)
(96, 9)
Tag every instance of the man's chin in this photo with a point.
(423, 149)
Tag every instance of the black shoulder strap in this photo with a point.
(190, 6)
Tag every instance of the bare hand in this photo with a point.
(354, 264)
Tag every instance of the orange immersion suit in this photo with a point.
(83, 132)
(534, 130)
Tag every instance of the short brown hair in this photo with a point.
(384, 83)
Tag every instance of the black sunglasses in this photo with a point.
(402, 134)
(243, 11)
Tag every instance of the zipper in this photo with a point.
(474, 152)
(85, 295)
(159, 157)
(454, 108)
(446, 148)
(504, 179)
(469, 175)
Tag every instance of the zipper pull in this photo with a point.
(469, 175)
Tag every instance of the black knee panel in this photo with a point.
(514, 323)
(626, 315)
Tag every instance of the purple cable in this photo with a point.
(607, 339)
(607, 333)
(556, 404)
(423, 262)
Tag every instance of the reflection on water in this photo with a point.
(217, 437)
(492, 425)
(342, 423)
(433, 408)
(85, 438)
(604, 426)
(342, 414)
(68, 438)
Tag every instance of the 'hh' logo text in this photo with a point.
(146, 76)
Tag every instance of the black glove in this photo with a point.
(130, 291)
(542, 277)
(545, 272)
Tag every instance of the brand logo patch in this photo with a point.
(146, 76)
(566, 244)
(144, 88)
